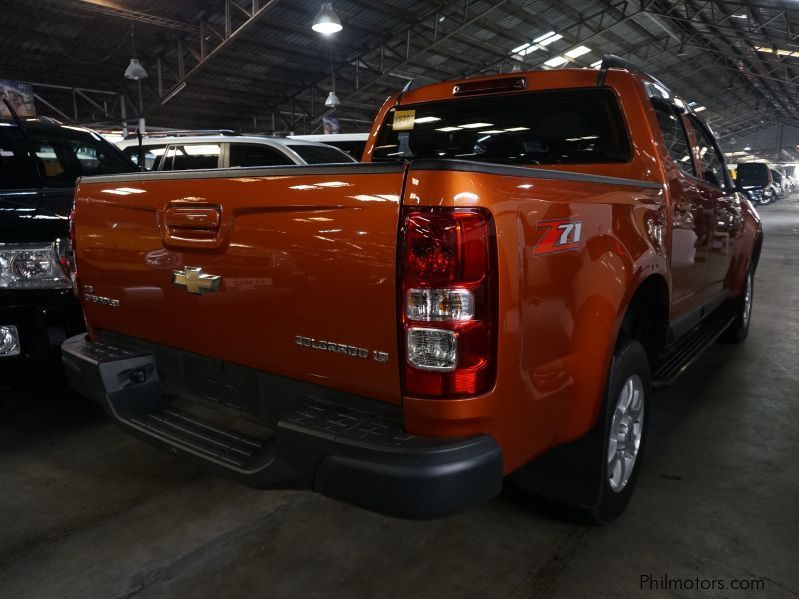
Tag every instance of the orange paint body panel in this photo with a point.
(298, 256)
(314, 257)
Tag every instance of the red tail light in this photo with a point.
(448, 273)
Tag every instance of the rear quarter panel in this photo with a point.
(559, 313)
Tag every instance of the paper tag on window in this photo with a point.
(403, 120)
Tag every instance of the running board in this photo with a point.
(687, 349)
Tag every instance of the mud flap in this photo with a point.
(570, 473)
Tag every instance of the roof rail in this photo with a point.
(185, 133)
(611, 61)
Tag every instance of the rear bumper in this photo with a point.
(338, 446)
(44, 319)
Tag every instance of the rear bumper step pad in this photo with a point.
(349, 454)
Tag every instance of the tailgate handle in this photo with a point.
(190, 226)
(193, 219)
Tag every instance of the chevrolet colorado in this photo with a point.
(494, 292)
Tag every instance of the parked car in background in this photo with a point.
(756, 180)
(351, 143)
(169, 152)
(39, 164)
(780, 182)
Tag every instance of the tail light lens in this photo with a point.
(448, 276)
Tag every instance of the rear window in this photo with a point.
(257, 155)
(321, 154)
(752, 173)
(186, 157)
(578, 126)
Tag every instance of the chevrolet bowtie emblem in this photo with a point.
(195, 281)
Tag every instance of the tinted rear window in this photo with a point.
(257, 155)
(321, 154)
(752, 173)
(577, 126)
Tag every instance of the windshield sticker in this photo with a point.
(403, 120)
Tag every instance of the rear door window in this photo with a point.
(256, 155)
(708, 155)
(181, 157)
(17, 170)
(152, 154)
(674, 136)
(569, 126)
(62, 157)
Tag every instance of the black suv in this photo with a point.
(39, 165)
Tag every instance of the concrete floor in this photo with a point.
(86, 511)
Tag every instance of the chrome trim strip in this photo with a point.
(357, 168)
(526, 172)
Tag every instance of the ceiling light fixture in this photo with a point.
(778, 51)
(556, 61)
(327, 21)
(135, 71)
(548, 35)
(332, 100)
(577, 52)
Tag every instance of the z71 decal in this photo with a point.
(560, 235)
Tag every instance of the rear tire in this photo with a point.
(739, 329)
(626, 425)
(593, 477)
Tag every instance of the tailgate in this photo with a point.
(290, 271)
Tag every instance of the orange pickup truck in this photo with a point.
(494, 291)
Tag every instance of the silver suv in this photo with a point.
(176, 152)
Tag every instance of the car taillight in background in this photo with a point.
(448, 276)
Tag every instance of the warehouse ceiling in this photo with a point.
(257, 65)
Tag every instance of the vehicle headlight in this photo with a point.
(31, 266)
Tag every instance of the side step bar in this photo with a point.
(686, 350)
